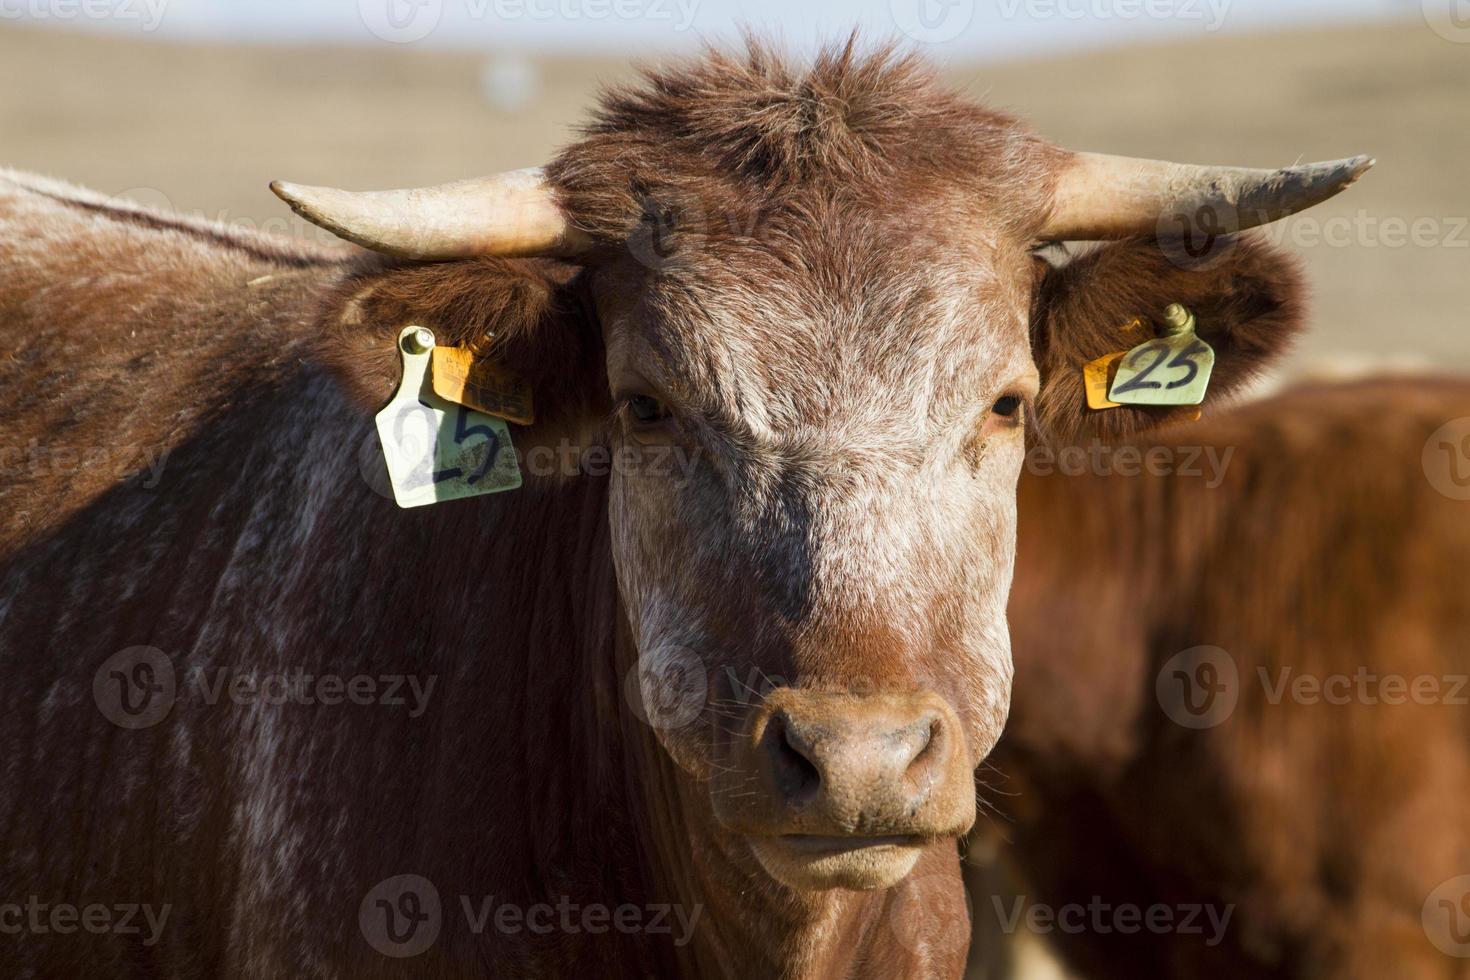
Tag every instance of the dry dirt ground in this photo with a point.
(204, 129)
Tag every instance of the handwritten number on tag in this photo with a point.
(463, 430)
(1185, 359)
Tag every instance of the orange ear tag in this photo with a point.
(1097, 376)
(480, 383)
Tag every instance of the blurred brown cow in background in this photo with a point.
(1241, 697)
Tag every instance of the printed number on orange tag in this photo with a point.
(1097, 376)
(480, 383)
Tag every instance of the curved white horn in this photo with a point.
(1101, 197)
(508, 214)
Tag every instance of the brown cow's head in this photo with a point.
(818, 293)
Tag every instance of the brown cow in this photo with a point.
(811, 289)
(1241, 695)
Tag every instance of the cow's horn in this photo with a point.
(1101, 197)
(508, 214)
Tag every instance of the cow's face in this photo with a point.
(817, 584)
(819, 373)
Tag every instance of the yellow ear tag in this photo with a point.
(478, 382)
(436, 450)
(1173, 369)
(1097, 375)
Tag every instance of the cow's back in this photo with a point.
(124, 331)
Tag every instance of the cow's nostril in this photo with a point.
(795, 773)
(925, 746)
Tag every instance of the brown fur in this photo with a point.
(1325, 826)
(789, 252)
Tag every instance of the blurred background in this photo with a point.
(195, 105)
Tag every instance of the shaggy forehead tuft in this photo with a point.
(741, 135)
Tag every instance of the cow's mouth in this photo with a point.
(817, 862)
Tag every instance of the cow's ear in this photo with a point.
(528, 315)
(1247, 297)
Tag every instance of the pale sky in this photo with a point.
(967, 28)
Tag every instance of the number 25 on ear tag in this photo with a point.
(1173, 369)
(436, 450)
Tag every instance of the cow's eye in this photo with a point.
(1008, 407)
(646, 410)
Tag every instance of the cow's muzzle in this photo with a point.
(844, 790)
